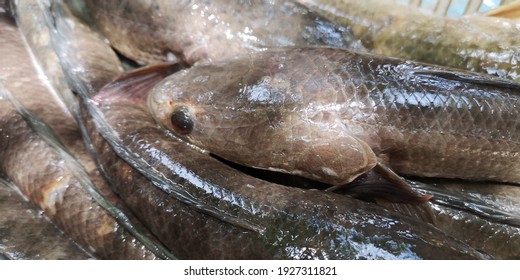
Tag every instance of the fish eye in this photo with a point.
(181, 120)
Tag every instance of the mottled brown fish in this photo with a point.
(63, 181)
(26, 234)
(152, 31)
(477, 43)
(195, 204)
(52, 180)
(203, 202)
(227, 203)
(331, 114)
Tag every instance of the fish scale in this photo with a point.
(476, 43)
(52, 184)
(148, 31)
(25, 234)
(414, 117)
(67, 174)
(265, 220)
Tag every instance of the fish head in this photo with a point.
(256, 112)
(207, 105)
(172, 108)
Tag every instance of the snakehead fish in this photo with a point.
(477, 43)
(26, 234)
(151, 31)
(58, 186)
(60, 182)
(330, 115)
(194, 203)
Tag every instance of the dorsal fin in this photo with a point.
(471, 78)
(136, 84)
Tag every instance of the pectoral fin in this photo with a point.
(401, 183)
(137, 83)
(382, 183)
(422, 212)
(384, 187)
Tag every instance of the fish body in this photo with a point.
(218, 30)
(26, 234)
(331, 114)
(56, 184)
(196, 202)
(490, 211)
(31, 87)
(152, 31)
(64, 182)
(476, 43)
(502, 241)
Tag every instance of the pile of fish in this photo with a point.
(257, 130)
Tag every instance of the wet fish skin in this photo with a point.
(500, 197)
(53, 185)
(31, 24)
(491, 212)
(210, 30)
(26, 85)
(499, 240)
(296, 223)
(22, 79)
(44, 89)
(476, 43)
(188, 233)
(26, 234)
(192, 232)
(291, 110)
